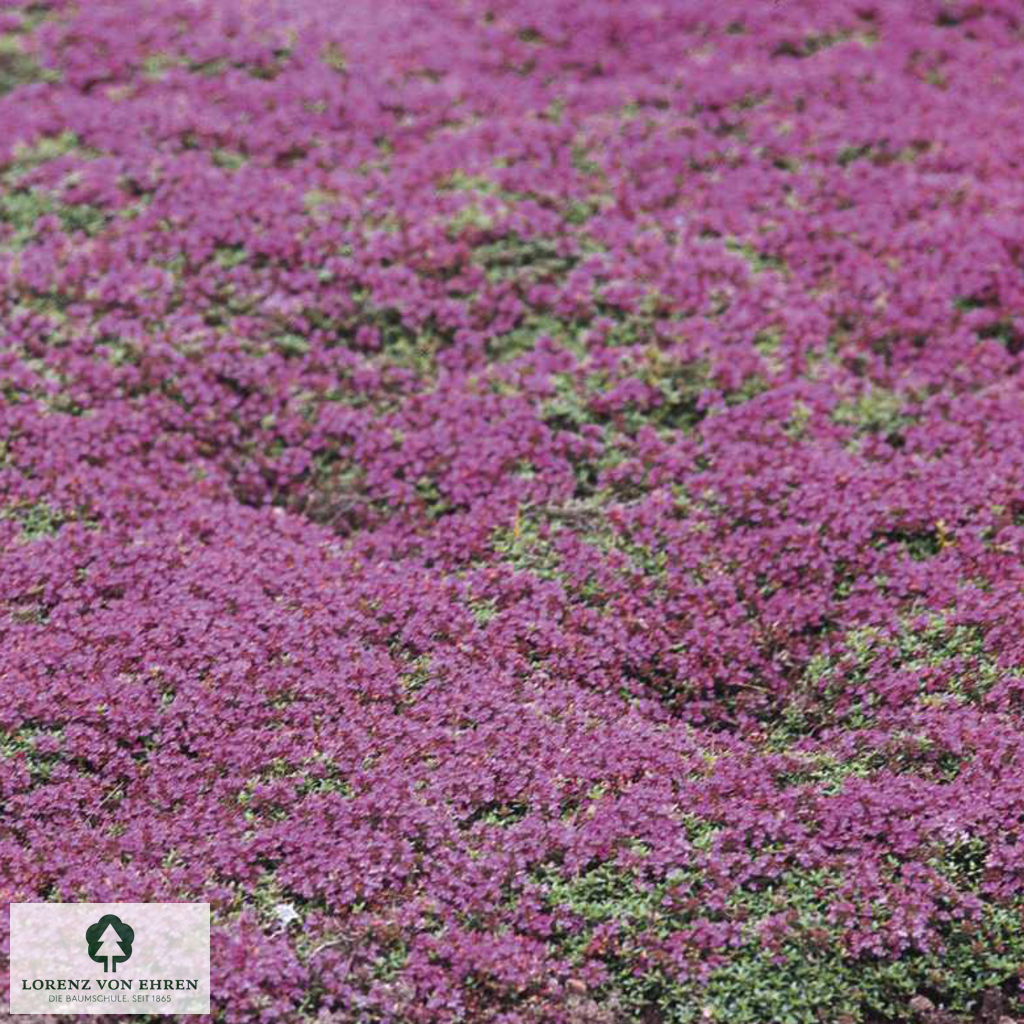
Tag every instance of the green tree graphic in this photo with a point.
(109, 941)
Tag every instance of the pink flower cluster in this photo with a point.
(518, 503)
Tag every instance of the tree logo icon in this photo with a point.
(109, 941)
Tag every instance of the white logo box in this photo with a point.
(118, 958)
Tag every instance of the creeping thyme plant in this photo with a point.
(519, 504)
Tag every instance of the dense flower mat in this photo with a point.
(520, 503)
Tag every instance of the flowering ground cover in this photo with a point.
(520, 503)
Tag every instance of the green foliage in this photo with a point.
(18, 67)
(22, 744)
(38, 520)
(568, 409)
(231, 256)
(483, 611)
(954, 662)
(800, 972)
(516, 258)
(604, 893)
(750, 989)
(848, 154)
(501, 814)
(50, 147)
(652, 562)
(410, 350)
(229, 159)
(920, 544)
(681, 386)
(435, 504)
(471, 216)
(963, 862)
(459, 181)
(21, 210)
(799, 418)
(1003, 331)
(527, 547)
(120, 352)
(757, 261)
(418, 674)
(877, 411)
(583, 161)
(827, 772)
(292, 344)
